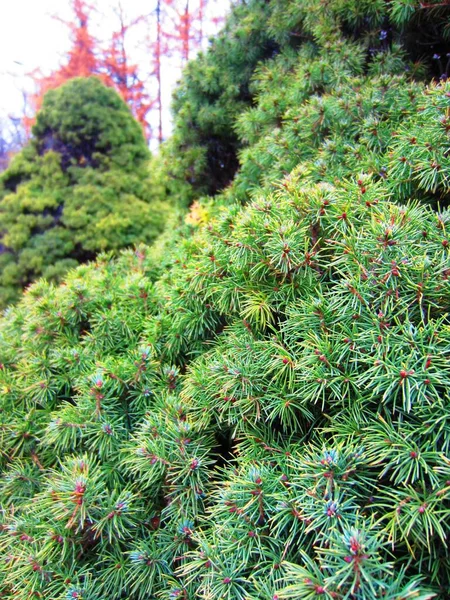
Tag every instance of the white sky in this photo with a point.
(30, 38)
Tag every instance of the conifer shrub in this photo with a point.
(200, 157)
(272, 57)
(80, 187)
(288, 439)
(257, 406)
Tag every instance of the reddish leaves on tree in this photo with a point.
(176, 30)
(186, 19)
(82, 58)
(86, 59)
(123, 75)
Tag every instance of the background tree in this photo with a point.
(158, 47)
(87, 57)
(173, 28)
(82, 58)
(79, 187)
(185, 26)
(123, 75)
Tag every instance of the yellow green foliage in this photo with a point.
(80, 187)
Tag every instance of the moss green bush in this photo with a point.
(257, 406)
(80, 187)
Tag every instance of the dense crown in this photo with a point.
(256, 407)
(80, 187)
(89, 124)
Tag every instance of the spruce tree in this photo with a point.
(80, 187)
(257, 406)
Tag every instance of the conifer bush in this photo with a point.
(305, 450)
(271, 57)
(256, 407)
(79, 188)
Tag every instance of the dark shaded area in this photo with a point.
(426, 39)
(82, 255)
(224, 450)
(11, 182)
(71, 154)
(222, 161)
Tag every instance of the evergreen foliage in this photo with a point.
(257, 406)
(80, 187)
(328, 390)
(316, 47)
(200, 157)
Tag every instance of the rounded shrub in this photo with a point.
(256, 407)
(305, 449)
(80, 187)
(269, 59)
